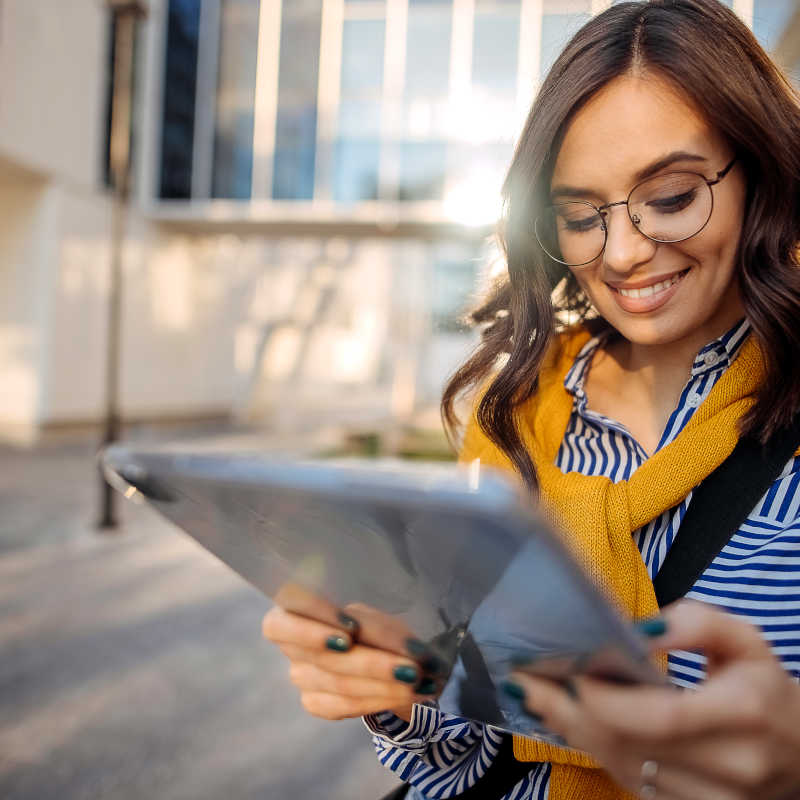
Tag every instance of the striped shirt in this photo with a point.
(756, 575)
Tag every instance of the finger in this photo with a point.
(360, 662)
(380, 630)
(296, 598)
(281, 626)
(311, 678)
(682, 784)
(658, 714)
(336, 706)
(723, 637)
(737, 760)
(550, 701)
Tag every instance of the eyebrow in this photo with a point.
(651, 169)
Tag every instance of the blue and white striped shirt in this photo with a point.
(756, 575)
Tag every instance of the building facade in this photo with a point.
(315, 182)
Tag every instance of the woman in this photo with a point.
(656, 188)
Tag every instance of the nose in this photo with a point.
(626, 246)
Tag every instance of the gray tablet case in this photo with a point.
(454, 557)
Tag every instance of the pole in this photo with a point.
(126, 13)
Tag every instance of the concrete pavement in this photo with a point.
(132, 664)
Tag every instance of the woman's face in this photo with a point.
(632, 125)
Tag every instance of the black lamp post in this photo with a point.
(126, 16)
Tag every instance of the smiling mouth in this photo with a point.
(649, 291)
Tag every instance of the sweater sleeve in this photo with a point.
(439, 754)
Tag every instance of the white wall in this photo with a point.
(52, 74)
(23, 211)
(266, 328)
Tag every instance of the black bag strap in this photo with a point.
(719, 506)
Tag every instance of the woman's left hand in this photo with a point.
(736, 738)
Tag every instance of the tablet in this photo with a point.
(451, 561)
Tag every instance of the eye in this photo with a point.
(579, 223)
(673, 203)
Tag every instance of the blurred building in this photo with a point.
(315, 181)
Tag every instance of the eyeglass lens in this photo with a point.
(666, 208)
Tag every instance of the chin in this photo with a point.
(653, 331)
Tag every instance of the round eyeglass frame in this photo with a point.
(634, 218)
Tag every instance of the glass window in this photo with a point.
(423, 149)
(357, 150)
(362, 55)
(423, 165)
(233, 137)
(428, 48)
(495, 46)
(560, 22)
(356, 171)
(770, 18)
(483, 129)
(180, 82)
(296, 123)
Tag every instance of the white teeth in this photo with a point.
(647, 291)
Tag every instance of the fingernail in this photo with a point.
(337, 643)
(653, 627)
(426, 686)
(406, 673)
(416, 647)
(348, 623)
(513, 690)
(571, 688)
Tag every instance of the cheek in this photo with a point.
(585, 277)
(719, 241)
(714, 251)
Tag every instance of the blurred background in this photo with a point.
(263, 236)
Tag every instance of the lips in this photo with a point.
(646, 298)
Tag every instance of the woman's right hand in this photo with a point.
(340, 677)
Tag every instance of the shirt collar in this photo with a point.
(720, 353)
(716, 355)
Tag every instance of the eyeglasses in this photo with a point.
(667, 208)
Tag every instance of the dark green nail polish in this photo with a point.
(427, 686)
(513, 690)
(406, 673)
(337, 643)
(428, 661)
(416, 647)
(348, 623)
(652, 628)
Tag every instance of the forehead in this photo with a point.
(632, 122)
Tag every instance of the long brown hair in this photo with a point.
(705, 50)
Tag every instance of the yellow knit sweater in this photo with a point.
(598, 516)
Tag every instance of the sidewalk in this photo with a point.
(133, 665)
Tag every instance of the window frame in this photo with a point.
(386, 213)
